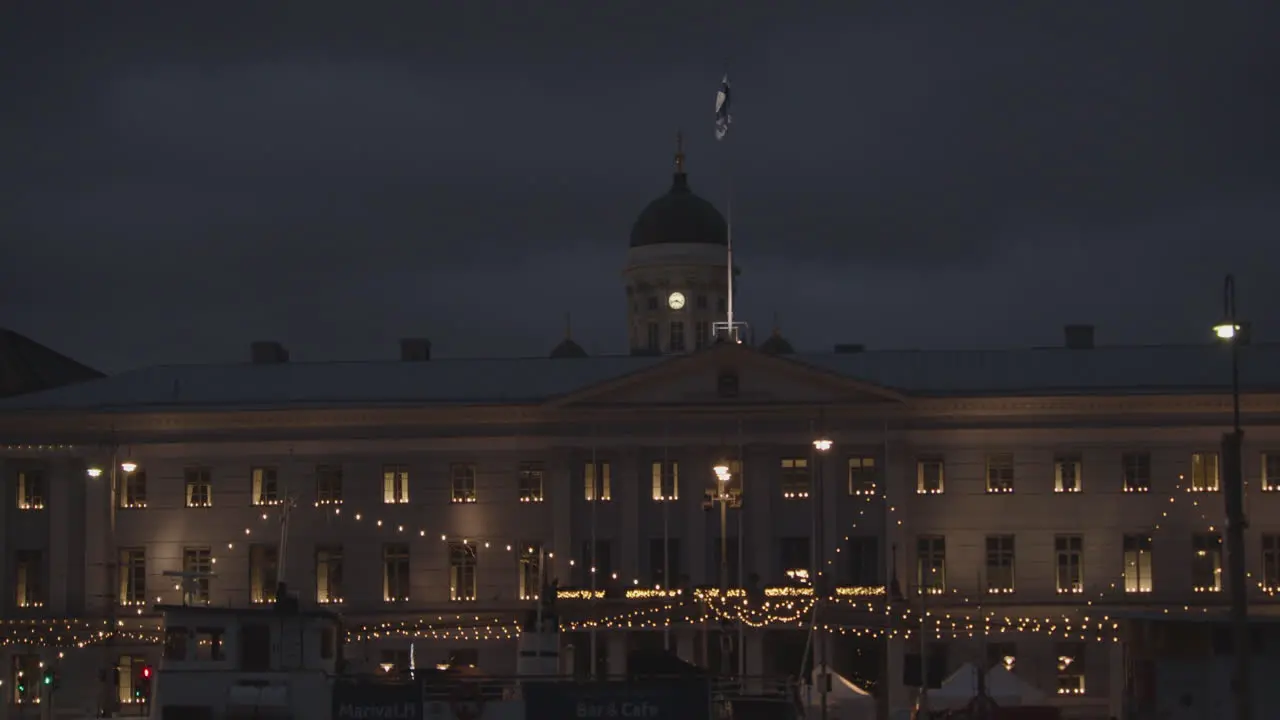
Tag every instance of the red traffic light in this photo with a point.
(146, 671)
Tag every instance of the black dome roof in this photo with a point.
(680, 216)
(567, 349)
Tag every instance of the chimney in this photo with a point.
(1078, 337)
(415, 349)
(268, 352)
(848, 348)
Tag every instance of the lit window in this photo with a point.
(395, 572)
(530, 578)
(1137, 563)
(1066, 474)
(198, 487)
(794, 480)
(1070, 667)
(463, 481)
(863, 479)
(395, 484)
(29, 578)
(1206, 562)
(462, 572)
(1000, 559)
(134, 492)
(1000, 473)
(1271, 563)
(197, 565)
(30, 489)
(530, 479)
(328, 484)
(1137, 471)
(1069, 560)
(329, 574)
(266, 486)
(665, 478)
(1270, 472)
(931, 564)
(1204, 472)
(263, 564)
(596, 482)
(930, 478)
(133, 576)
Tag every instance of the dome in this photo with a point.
(567, 349)
(680, 216)
(776, 345)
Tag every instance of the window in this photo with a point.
(1000, 564)
(664, 563)
(701, 334)
(29, 578)
(796, 559)
(1204, 472)
(462, 478)
(862, 476)
(175, 642)
(666, 480)
(198, 487)
(395, 572)
(596, 484)
(931, 564)
(1270, 563)
(329, 574)
(462, 572)
(795, 478)
(395, 484)
(266, 486)
(24, 678)
(30, 489)
(133, 576)
(263, 562)
(930, 476)
(329, 484)
(1137, 471)
(1066, 474)
(864, 560)
(654, 344)
(133, 493)
(530, 570)
(529, 478)
(208, 645)
(1137, 563)
(1069, 563)
(1070, 667)
(1000, 473)
(1270, 472)
(129, 679)
(197, 564)
(677, 336)
(596, 563)
(1206, 562)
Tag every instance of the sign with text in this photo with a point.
(619, 700)
(364, 700)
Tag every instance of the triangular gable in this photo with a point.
(696, 379)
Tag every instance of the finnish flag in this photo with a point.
(722, 109)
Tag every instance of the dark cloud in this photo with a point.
(902, 174)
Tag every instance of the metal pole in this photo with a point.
(819, 579)
(924, 642)
(597, 485)
(112, 582)
(724, 572)
(1236, 524)
(742, 543)
(666, 530)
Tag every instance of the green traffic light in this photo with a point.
(22, 689)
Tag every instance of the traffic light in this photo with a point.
(47, 678)
(22, 687)
(142, 690)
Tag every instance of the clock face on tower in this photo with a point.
(675, 301)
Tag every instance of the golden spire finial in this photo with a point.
(679, 152)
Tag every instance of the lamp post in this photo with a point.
(723, 476)
(111, 570)
(1235, 334)
(821, 447)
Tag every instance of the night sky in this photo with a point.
(175, 184)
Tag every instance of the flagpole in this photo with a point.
(596, 486)
(666, 527)
(723, 119)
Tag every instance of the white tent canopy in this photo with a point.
(1007, 689)
(846, 701)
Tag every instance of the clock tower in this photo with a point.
(676, 270)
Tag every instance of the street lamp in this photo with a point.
(822, 446)
(723, 476)
(128, 466)
(1235, 333)
(94, 472)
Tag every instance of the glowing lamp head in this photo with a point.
(722, 472)
(94, 472)
(1226, 330)
(128, 466)
(822, 445)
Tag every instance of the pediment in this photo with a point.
(726, 375)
